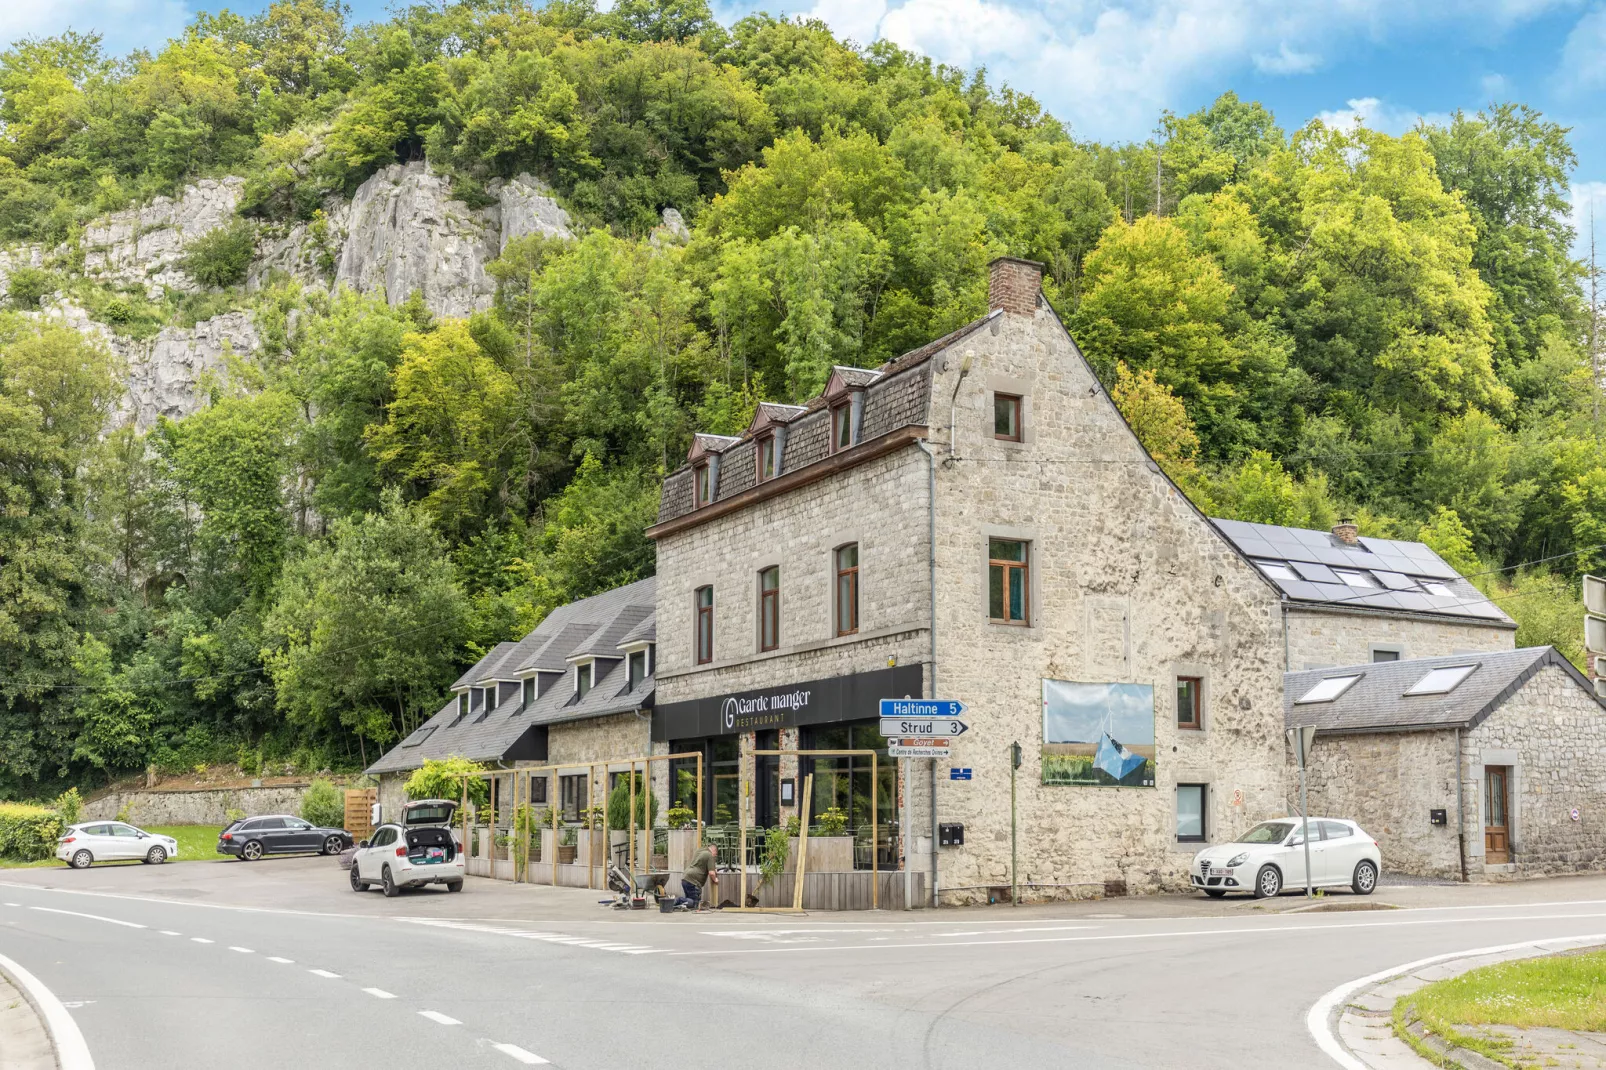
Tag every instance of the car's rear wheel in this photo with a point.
(333, 845)
(251, 851)
(156, 856)
(1365, 878)
(82, 859)
(1215, 893)
(357, 883)
(1268, 882)
(454, 886)
(388, 883)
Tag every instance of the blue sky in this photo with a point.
(1108, 67)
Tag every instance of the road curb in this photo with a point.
(60, 1031)
(1353, 1023)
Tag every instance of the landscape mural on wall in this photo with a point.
(1098, 734)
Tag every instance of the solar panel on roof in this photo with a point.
(1394, 581)
(1315, 573)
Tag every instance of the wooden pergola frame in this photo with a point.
(527, 774)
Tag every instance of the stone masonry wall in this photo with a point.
(1317, 639)
(1388, 782)
(1129, 584)
(205, 807)
(1553, 734)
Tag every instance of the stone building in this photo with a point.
(578, 689)
(975, 521)
(1350, 599)
(1478, 766)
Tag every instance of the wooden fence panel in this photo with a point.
(359, 811)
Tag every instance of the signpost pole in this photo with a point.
(1014, 880)
(905, 781)
(1302, 737)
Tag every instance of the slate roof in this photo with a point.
(896, 395)
(1399, 570)
(487, 735)
(1378, 702)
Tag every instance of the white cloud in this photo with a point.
(1375, 114)
(1583, 57)
(859, 20)
(966, 33)
(124, 24)
(1495, 86)
(1287, 61)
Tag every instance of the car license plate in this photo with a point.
(1219, 871)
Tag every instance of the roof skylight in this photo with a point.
(1441, 681)
(1328, 689)
(419, 736)
(1437, 589)
(1353, 578)
(1277, 570)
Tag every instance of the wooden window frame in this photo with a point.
(1019, 403)
(702, 491)
(1197, 724)
(766, 445)
(769, 610)
(1025, 568)
(1204, 814)
(851, 575)
(703, 653)
(841, 421)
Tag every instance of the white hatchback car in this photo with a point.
(81, 846)
(418, 850)
(1271, 857)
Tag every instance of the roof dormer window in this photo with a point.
(767, 461)
(584, 678)
(841, 427)
(705, 485)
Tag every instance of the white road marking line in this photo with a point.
(276, 958)
(324, 973)
(71, 1051)
(1268, 931)
(91, 917)
(242, 950)
(528, 1058)
(201, 940)
(13, 904)
(437, 1016)
(1321, 1012)
(170, 932)
(565, 939)
(379, 993)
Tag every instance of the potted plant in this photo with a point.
(568, 844)
(777, 842)
(832, 848)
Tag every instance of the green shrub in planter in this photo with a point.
(323, 805)
(28, 833)
(619, 804)
(833, 822)
(680, 817)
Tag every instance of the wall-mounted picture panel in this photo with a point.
(1098, 734)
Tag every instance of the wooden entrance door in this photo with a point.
(1496, 814)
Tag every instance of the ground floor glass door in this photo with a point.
(845, 783)
(1496, 814)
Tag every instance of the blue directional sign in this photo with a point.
(921, 707)
(956, 773)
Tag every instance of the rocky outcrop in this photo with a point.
(166, 375)
(144, 246)
(21, 257)
(404, 232)
(672, 231)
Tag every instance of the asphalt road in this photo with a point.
(279, 964)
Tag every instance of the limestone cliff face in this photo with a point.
(401, 232)
(404, 233)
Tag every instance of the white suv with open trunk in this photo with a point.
(416, 851)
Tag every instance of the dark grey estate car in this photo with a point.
(253, 837)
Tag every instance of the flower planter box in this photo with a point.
(567, 855)
(827, 854)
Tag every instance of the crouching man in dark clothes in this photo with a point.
(699, 870)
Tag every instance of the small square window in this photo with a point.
(1190, 700)
(1006, 417)
(1385, 654)
(1190, 813)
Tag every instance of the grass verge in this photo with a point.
(1556, 991)
(196, 843)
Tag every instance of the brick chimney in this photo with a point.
(1346, 531)
(1013, 285)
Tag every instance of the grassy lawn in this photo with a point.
(1561, 992)
(196, 843)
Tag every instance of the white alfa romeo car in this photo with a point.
(1271, 857)
(418, 850)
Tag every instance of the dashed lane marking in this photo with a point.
(438, 1017)
(202, 940)
(13, 904)
(91, 917)
(242, 950)
(169, 932)
(324, 973)
(276, 958)
(528, 1058)
(379, 993)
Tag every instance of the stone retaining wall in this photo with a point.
(196, 806)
